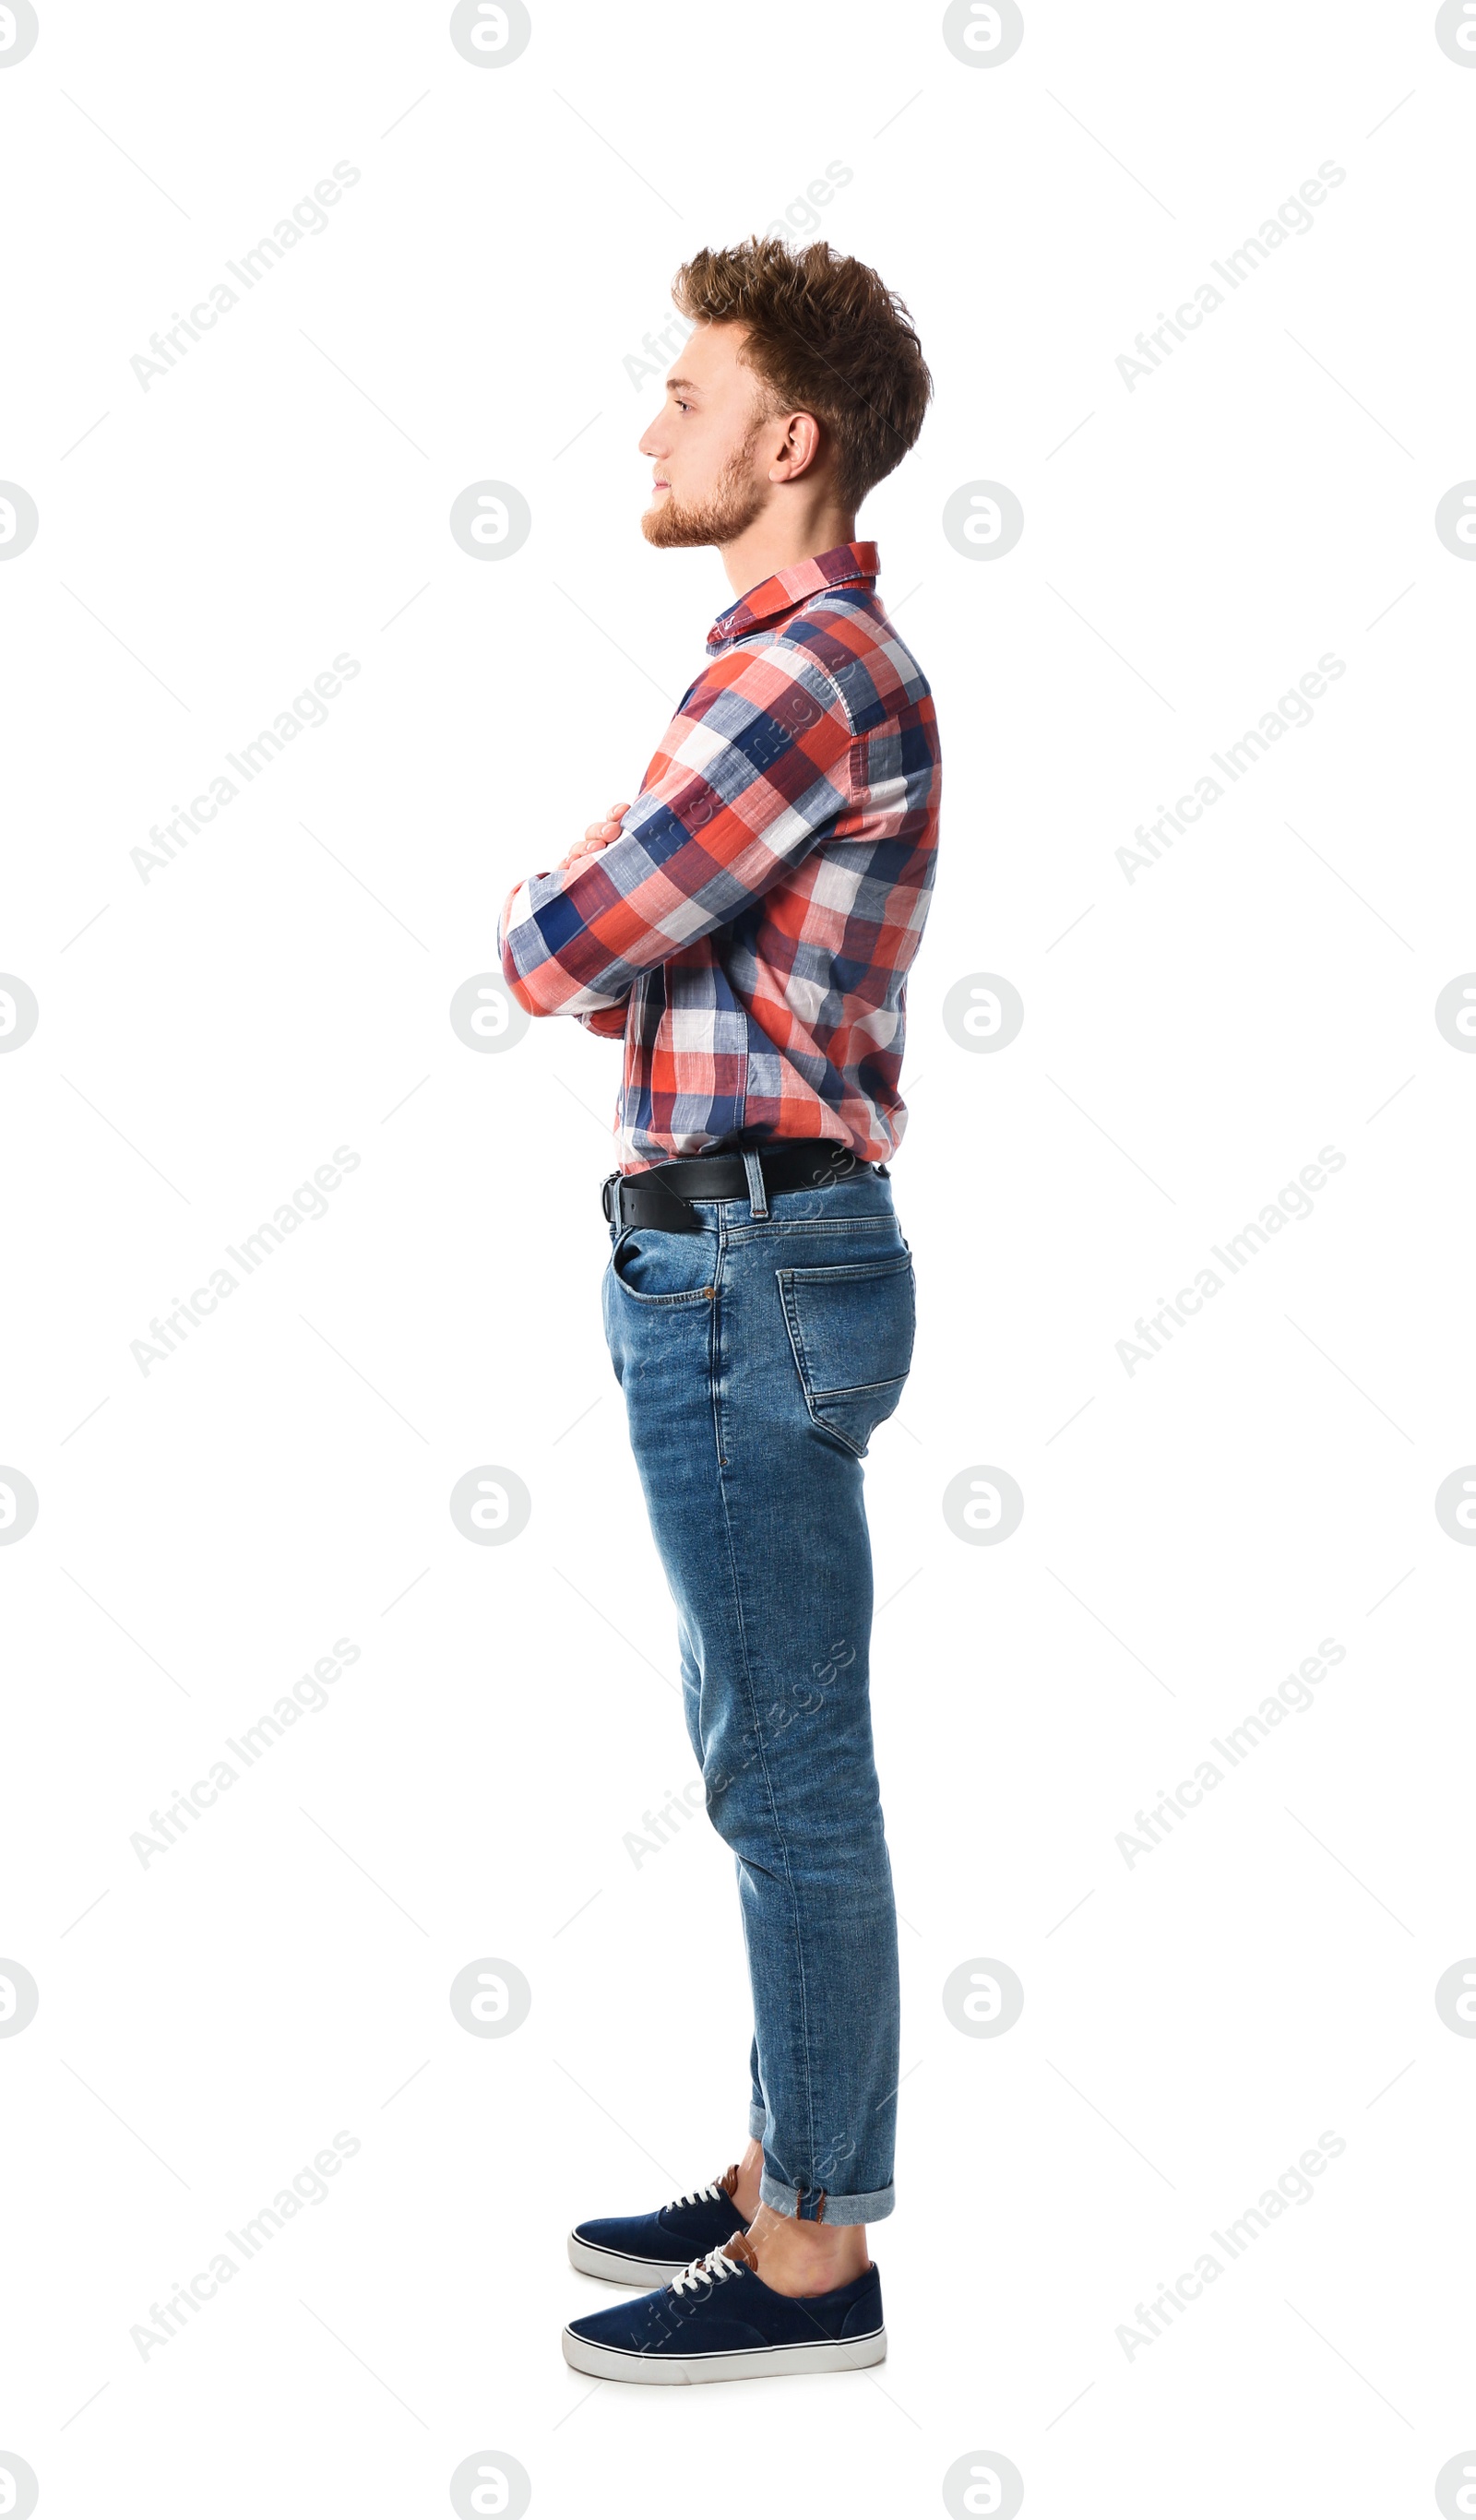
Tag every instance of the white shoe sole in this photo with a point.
(637, 2275)
(755, 2362)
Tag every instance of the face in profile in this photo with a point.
(710, 481)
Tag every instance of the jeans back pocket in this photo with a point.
(851, 1328)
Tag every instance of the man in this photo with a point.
(745, 928)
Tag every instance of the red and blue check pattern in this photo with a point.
(749, 932)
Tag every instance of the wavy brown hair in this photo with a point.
(825, 335)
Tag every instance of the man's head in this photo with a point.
(803, 379)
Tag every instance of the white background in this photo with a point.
(1191, 1039)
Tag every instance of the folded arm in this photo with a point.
(754, 766)
(608, 1022)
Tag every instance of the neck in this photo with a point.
(779, 540)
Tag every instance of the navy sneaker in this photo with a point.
(650, 2248)
(719, 2321)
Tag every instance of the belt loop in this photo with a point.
(758, 1197)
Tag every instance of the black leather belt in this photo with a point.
(660, 1197)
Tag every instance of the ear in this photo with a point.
(800, 449)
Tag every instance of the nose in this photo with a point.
(648, 444)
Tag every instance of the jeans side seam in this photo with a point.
(779, 1838)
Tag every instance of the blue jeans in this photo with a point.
(756, 1358)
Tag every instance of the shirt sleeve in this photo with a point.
(751, 773)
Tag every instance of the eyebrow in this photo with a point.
(683, 385)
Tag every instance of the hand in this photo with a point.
(598, 836)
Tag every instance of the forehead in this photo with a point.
(708, 359)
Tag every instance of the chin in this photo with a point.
(665, 525)
(718, 521)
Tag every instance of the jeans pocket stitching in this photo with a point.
(686, 1295)
(694, 1295)
(837, 1272)
(813, 1397)
(859, 1390)
(858, 1271)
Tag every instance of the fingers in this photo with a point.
(596, 836)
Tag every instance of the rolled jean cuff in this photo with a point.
(757, 2121)
(838, 2209)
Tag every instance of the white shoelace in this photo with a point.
(707, 2196)
(713, 2268)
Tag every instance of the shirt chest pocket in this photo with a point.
(851, 1328)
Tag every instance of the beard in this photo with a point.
(735, 502)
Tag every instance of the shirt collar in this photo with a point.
(848, 564)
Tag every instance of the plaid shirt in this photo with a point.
(748, 931)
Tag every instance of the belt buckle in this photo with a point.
(609, 1196)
